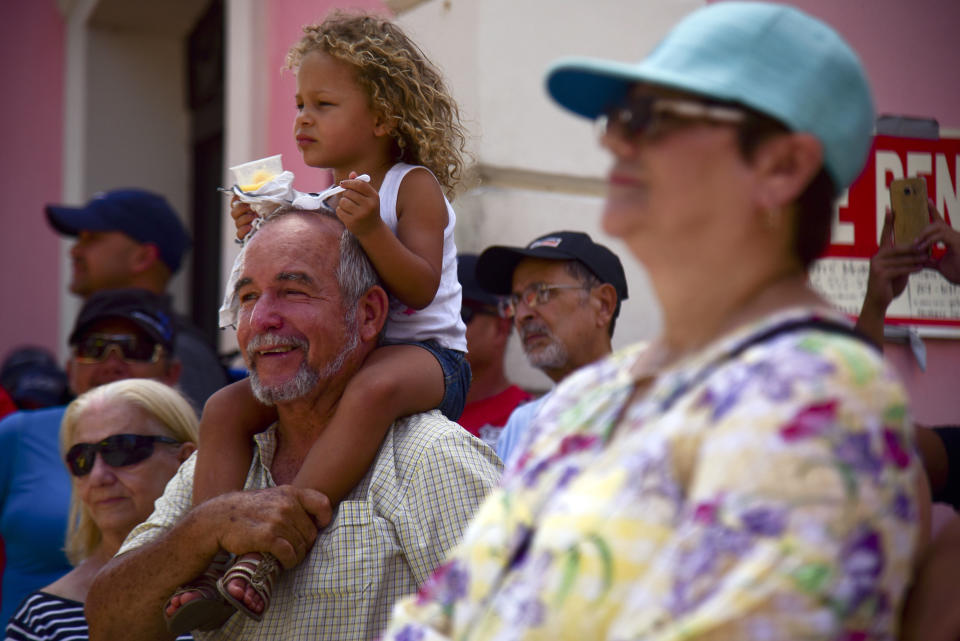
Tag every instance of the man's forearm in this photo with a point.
(127, 597)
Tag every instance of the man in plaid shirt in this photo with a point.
(383, 540)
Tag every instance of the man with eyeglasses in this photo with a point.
(565, 292)
(492, 397)
(118, 334)
(132, 238)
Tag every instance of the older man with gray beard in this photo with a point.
(305, 283)
(565, 293)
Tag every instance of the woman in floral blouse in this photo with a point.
(750, 474)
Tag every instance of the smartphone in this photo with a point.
(908, 199)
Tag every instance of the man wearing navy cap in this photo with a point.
(33, 378)
(125, 238)
(492, 397)
(132, 238)
(118, 334)
(565, 292)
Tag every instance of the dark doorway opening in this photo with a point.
(205, 94)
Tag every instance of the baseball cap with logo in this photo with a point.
(769, 57)
(143, 216)
(148, 311)
(496, 264)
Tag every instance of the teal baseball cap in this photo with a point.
(771, 58)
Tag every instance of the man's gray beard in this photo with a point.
(553, 356)
(306, 378)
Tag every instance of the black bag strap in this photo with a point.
(822, 324)
(786, 327)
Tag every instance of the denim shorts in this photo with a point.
(456, 375)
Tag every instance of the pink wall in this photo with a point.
(31, 113)
(909, 50)
(284, 27)
(935, 393)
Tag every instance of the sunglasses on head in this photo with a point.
(95, 347)
(118, 450)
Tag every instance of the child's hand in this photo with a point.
(243, 216)
(359, 206)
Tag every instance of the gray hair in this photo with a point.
(355, 273)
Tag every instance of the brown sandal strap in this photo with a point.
(260, 574)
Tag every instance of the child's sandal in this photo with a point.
(207, 612)
(257, 570)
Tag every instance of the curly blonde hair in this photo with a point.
(402, 84)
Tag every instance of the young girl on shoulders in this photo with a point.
(368, 101)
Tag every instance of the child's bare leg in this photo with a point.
(230, 418)
(395, 380)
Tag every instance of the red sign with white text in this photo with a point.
(930, 300)
(856, 233)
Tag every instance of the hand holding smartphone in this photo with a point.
(908, 200)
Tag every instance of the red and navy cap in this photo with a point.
(496, 264)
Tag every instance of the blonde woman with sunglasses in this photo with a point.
(121, 443)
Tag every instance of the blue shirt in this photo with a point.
(34, 502)
(517, 426)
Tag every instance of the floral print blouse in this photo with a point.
(765, 492)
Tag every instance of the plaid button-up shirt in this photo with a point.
(385, 539)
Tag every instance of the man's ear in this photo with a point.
(372, 309)
(604, 300)
(786, 164)
(70, 369)
(146, 256)
(504, 327)
(501, 331)
(174, 368)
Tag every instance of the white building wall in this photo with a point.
(126, 119)
(540, 168)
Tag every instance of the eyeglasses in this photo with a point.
(118, 450)
(539, 294)
(645, 116)
(94, 348)
(469, 310)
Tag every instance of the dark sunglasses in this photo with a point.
(643, 116)
(94, 348)
(118, 450)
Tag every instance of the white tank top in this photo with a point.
(440, 320)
